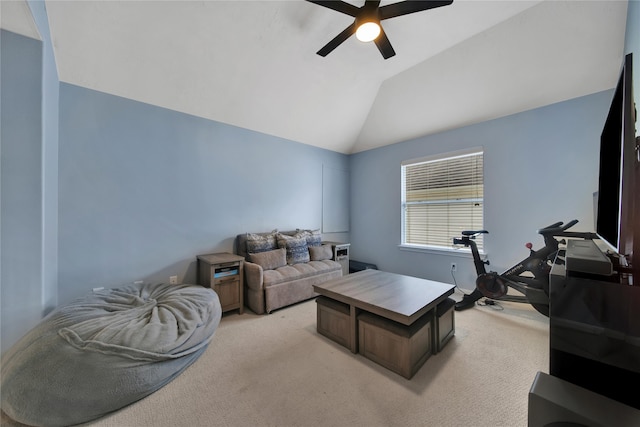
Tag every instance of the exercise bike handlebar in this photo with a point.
(557, 228)
(554, 225)
(561, 232)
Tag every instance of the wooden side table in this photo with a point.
(340, 254)
(223, 272)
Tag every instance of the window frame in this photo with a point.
(436, 249)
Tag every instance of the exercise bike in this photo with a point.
(534, 290)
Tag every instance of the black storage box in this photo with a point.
(355, 266)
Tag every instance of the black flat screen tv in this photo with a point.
(618, 171)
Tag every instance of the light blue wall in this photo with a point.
(143, 189)
(541, 166)
(29, 199)
(21, 177)
(50, 99)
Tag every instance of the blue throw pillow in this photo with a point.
(296, 248)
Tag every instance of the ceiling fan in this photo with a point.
(367, 26)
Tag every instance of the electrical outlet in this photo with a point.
(173, 280)
(454, 266)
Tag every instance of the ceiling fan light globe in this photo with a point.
(368, 31)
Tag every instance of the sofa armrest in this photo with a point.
(253, 276)
(254, 287)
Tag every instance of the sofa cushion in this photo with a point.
(289, 273)
(269, 260)
(320, 253)
(261, 242)
(314, 238)
(296, 248)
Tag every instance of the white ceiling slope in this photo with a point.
(253, 63)
(552, 52)
(15, 16)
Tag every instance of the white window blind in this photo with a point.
(442, 197)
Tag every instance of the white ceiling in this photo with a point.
(15, 16)
(253, 64)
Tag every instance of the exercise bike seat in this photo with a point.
(473, 233)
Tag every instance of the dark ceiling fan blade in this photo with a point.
(339, 6)
(410, 6)
(384, 45)
(337, 40)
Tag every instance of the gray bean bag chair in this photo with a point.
(105, 351)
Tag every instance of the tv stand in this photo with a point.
(594, 355)
(594, 330)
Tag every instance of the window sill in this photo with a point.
(459, 252)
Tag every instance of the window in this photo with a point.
(441, 197)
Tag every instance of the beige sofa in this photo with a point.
(281, 268)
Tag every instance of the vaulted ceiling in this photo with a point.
(253, 64)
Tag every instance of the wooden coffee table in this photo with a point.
(399, 298)
(388, 318)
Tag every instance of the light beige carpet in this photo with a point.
(275, 370)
